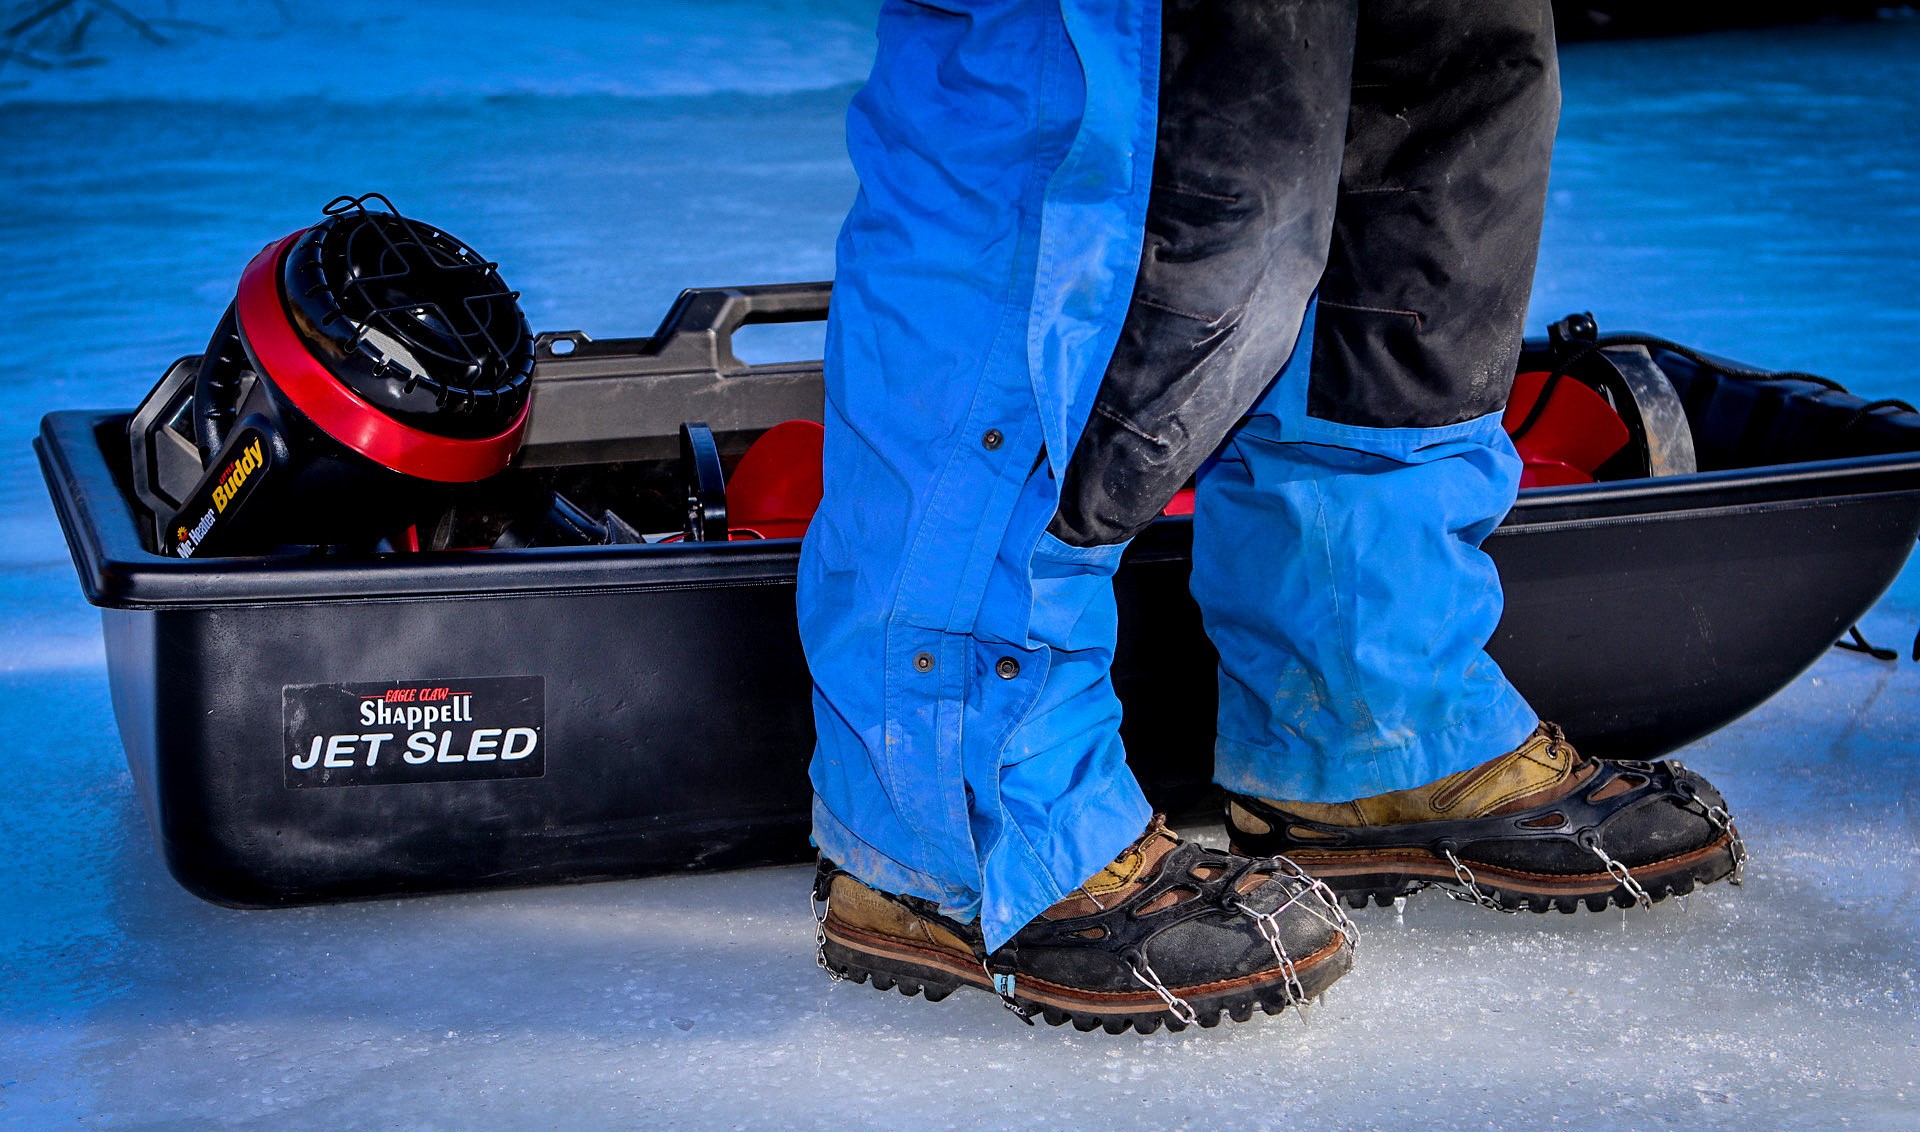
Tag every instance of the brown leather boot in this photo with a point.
(1537, 827)
(1169, 932)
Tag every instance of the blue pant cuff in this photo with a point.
(875, 869)
(1303, 772)
(1024, 879)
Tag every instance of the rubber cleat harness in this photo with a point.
(1629, 833)
(1208, 935)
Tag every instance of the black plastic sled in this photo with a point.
(585, 699)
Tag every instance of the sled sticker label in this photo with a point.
(414, 731)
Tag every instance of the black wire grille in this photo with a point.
(421, 305)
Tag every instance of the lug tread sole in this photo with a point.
(1369, 877)
(891, 964)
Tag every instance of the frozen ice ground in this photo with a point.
(694, 1002)
(1755, 194)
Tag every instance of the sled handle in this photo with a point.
(697, 332)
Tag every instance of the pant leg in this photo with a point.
(1336, 538)
(1336, 555)
(1342, 583)
(967, 748)
(1253, 117)
(1442, 189)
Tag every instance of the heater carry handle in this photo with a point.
(217, 385)
(697, 332)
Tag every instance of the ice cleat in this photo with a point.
(1539, 827)
(1170, 932)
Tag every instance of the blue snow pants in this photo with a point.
(1281, 248)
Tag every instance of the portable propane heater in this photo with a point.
(365, 365)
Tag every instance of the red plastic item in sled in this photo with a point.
(776, 488)
(1574, 433)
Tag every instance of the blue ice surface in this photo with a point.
(1756, 194)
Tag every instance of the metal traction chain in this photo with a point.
(1720, 820)
(819, 910)
(1474, 894)
(1329, 901)
(1270, 931)
(1723, 821)
(1591, 842)
(1268, 923)
(1179, 1007)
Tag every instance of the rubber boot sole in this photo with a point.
(1363, 876)
(912, 969)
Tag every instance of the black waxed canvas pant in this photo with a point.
(1391, 154)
